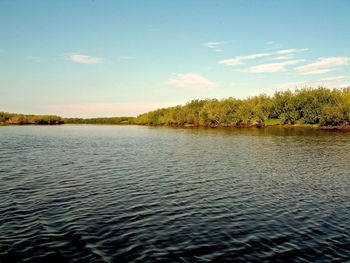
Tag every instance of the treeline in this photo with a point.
(21, 119)
(112, 120)
(319, 106)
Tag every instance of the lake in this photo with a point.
(85, 193)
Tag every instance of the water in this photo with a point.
(146, 194)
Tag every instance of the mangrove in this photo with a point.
(307, 107)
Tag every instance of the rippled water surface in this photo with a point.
(130, 193)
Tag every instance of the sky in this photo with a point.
(123, 58)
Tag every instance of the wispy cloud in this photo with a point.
(191, 81)
(323, 65)
(214, 45)
(283, 57)
(273, 67)
(318, 71)
(238, 60)
(287, 54)
(85, 59)
(290, 51)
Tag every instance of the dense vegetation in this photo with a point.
(319, 106)
(20, 119)
(112, 120)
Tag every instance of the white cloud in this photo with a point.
(287, 54)
(290, 51)
(318, 71)
(238, 60)
(191, 81)
(86, 59)
(214, 45)
(105, 109)
(323, 65)
(273, 67)
(283, 57)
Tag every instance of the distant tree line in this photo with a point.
(111, 120)
(21, 119)
(319, 106)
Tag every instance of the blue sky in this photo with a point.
(113, 58)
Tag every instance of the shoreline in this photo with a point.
(240, 126)
(257, 126)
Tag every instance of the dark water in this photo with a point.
(145, 194)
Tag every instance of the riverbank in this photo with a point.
(319, 108)
(259, 126)
(239, 126)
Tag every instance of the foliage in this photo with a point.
(332, 115)
(20, 119)
(111, 120)
(273, 122)
(305, 106)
